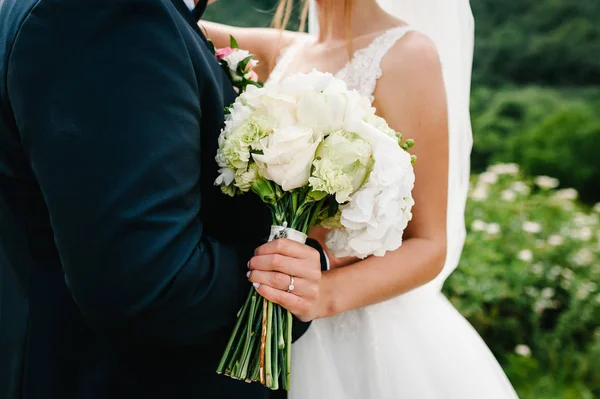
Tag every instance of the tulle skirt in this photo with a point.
(416, 346)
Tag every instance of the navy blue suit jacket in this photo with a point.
(122, 267)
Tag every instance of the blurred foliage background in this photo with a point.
(529, 276)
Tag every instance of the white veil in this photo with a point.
(449, 24)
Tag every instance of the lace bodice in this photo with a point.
(361, 72)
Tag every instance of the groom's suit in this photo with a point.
(121, 266)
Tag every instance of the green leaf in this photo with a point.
(233, 43)
(241, 69)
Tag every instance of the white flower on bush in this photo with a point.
(555, 240)
(583, 233)
(585, 289)
(478, 225)
(597, 207)
(532, 291)
(531, 227)
(546, 182)
(287, 156)
(480, 193)
(508, 195)
(583, 257)
(523, 350)
(567, 274)
(567, 194)
(493, 229)
(554, 272)
(537, 269)
(488, 178)
(504, 169)
(547, 293)
(525, 255)
(520, 187)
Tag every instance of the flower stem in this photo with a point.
(263, 339)
(274, 347)
(288, 348)
(234, 335)
(268, 346)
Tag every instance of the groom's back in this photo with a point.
(47, 348)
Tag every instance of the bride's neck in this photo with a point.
(334, 21)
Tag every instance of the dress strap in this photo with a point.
(363, 71)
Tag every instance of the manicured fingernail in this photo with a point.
(248, 274)
(256, 285)
(248, 264)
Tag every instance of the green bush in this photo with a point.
(528, 281)
(545, 131)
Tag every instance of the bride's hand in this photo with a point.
(271, 271)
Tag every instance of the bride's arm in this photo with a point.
(264, 43)
(411, 97)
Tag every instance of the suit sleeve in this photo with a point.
(108, 107)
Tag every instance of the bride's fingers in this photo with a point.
(300, 307)
(282, 282)
(298, 268)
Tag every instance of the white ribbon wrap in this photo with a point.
(287, 232)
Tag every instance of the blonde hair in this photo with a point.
(283, 14)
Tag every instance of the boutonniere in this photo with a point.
(238, 64)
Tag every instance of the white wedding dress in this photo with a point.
(415, 346)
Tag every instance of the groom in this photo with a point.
(122, 267)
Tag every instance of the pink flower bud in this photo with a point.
(253, 76)
(224, 52)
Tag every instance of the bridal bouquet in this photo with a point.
(316, 154)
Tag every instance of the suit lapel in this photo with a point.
(191, 17)
(227, 89)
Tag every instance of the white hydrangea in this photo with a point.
(375, 217)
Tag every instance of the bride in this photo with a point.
(385, 331)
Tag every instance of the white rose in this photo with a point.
(287, 156)
(281, 107)
(233, 60)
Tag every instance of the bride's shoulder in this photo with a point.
(412, 79)
(415, 52)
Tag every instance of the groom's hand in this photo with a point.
(271, 271)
